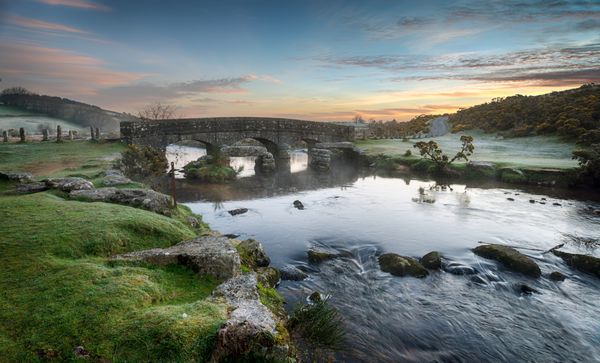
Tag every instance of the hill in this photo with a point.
(573, 114)
(78, 113)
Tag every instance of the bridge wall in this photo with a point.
(273, 132)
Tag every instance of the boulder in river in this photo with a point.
(510, 258)
(298, 205)
(139, 198)
(253, 254)
(292, 273)
(69, 184)
(557, 276)
(526, 289)
(318, 254)
(212, 255)
(457, 268)
(268, 276)
(235, 212)
(432, 260)
(583, 263)
(401, 265)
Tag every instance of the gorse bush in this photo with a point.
(143, 161)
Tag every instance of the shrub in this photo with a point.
(589, 165)
(143, 161)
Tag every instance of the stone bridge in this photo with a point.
(275, 133)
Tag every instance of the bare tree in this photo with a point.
(157, 111)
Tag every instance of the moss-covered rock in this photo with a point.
(253, 254)
(268, 276)
(317, 255)
(510, 258)
(401, 266)
(432, 260)
(556, 276)
(583, 263)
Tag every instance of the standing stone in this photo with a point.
(5, 136)
(58, 133)
(22, 134)
(97, 133)
(70, 134)
(45, 135)
(92, 133)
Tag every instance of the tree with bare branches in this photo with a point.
(157, 111)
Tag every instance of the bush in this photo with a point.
(143, 161)
(408, 153)
(320, 324)
(589, 165)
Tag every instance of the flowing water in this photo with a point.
(441, 318)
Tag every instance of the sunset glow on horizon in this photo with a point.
(316, 60)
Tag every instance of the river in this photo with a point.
(444, 317)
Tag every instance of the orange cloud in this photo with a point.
(57, 71)
(81, 4)
(43, 25)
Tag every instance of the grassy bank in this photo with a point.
(58, 288)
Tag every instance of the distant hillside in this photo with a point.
(574, 114)
(77, 113)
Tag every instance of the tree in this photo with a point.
(589, 165)
(157, 111)
(16, 91)
(432, 151)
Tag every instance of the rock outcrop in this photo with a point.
(211, 255)
(401, 265)
(510, 258)
(69, 184)
(33, 187)
(251, 330)
(138, 198)
(16, 176)
(292, 273)
(114, 177)
(252, 254)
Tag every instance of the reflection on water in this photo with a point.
(182, 155)
(444, 317)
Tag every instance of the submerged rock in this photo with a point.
(432, 260)
(583, 263)
(510, 258)
(292, 273)
(510, 199)
(235, 212)
(401, 266)
(70, 184)
(139, 198)
(268, 276)
(210, 255)
(457, 268)
(253, 253)
(298, 205)
(317, 254)
(557, 276)
(526, 289)
(315, 297)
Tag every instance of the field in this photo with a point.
(14, 118)
(535, 151)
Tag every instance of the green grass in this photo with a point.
(51, 159)
(58, 289)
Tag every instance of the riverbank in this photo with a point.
(64, 296)
(543, 161)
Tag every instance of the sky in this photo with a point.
(325, 60)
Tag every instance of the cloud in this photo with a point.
(81, 4)
(587, 25)
(57, 71)
(42, 25)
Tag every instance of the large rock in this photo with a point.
(251, 330)
(211, 255)
(16, 176)
(320, 254)
(292, 273)
(510, 258)
(34, 187)
(583, 263)
(432, 260)
(139, 198)
(114, 177)
(401, 265)
(69, 184)
(253, 253)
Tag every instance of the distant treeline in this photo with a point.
(63, 108)
(574, 114)
(394, 129)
